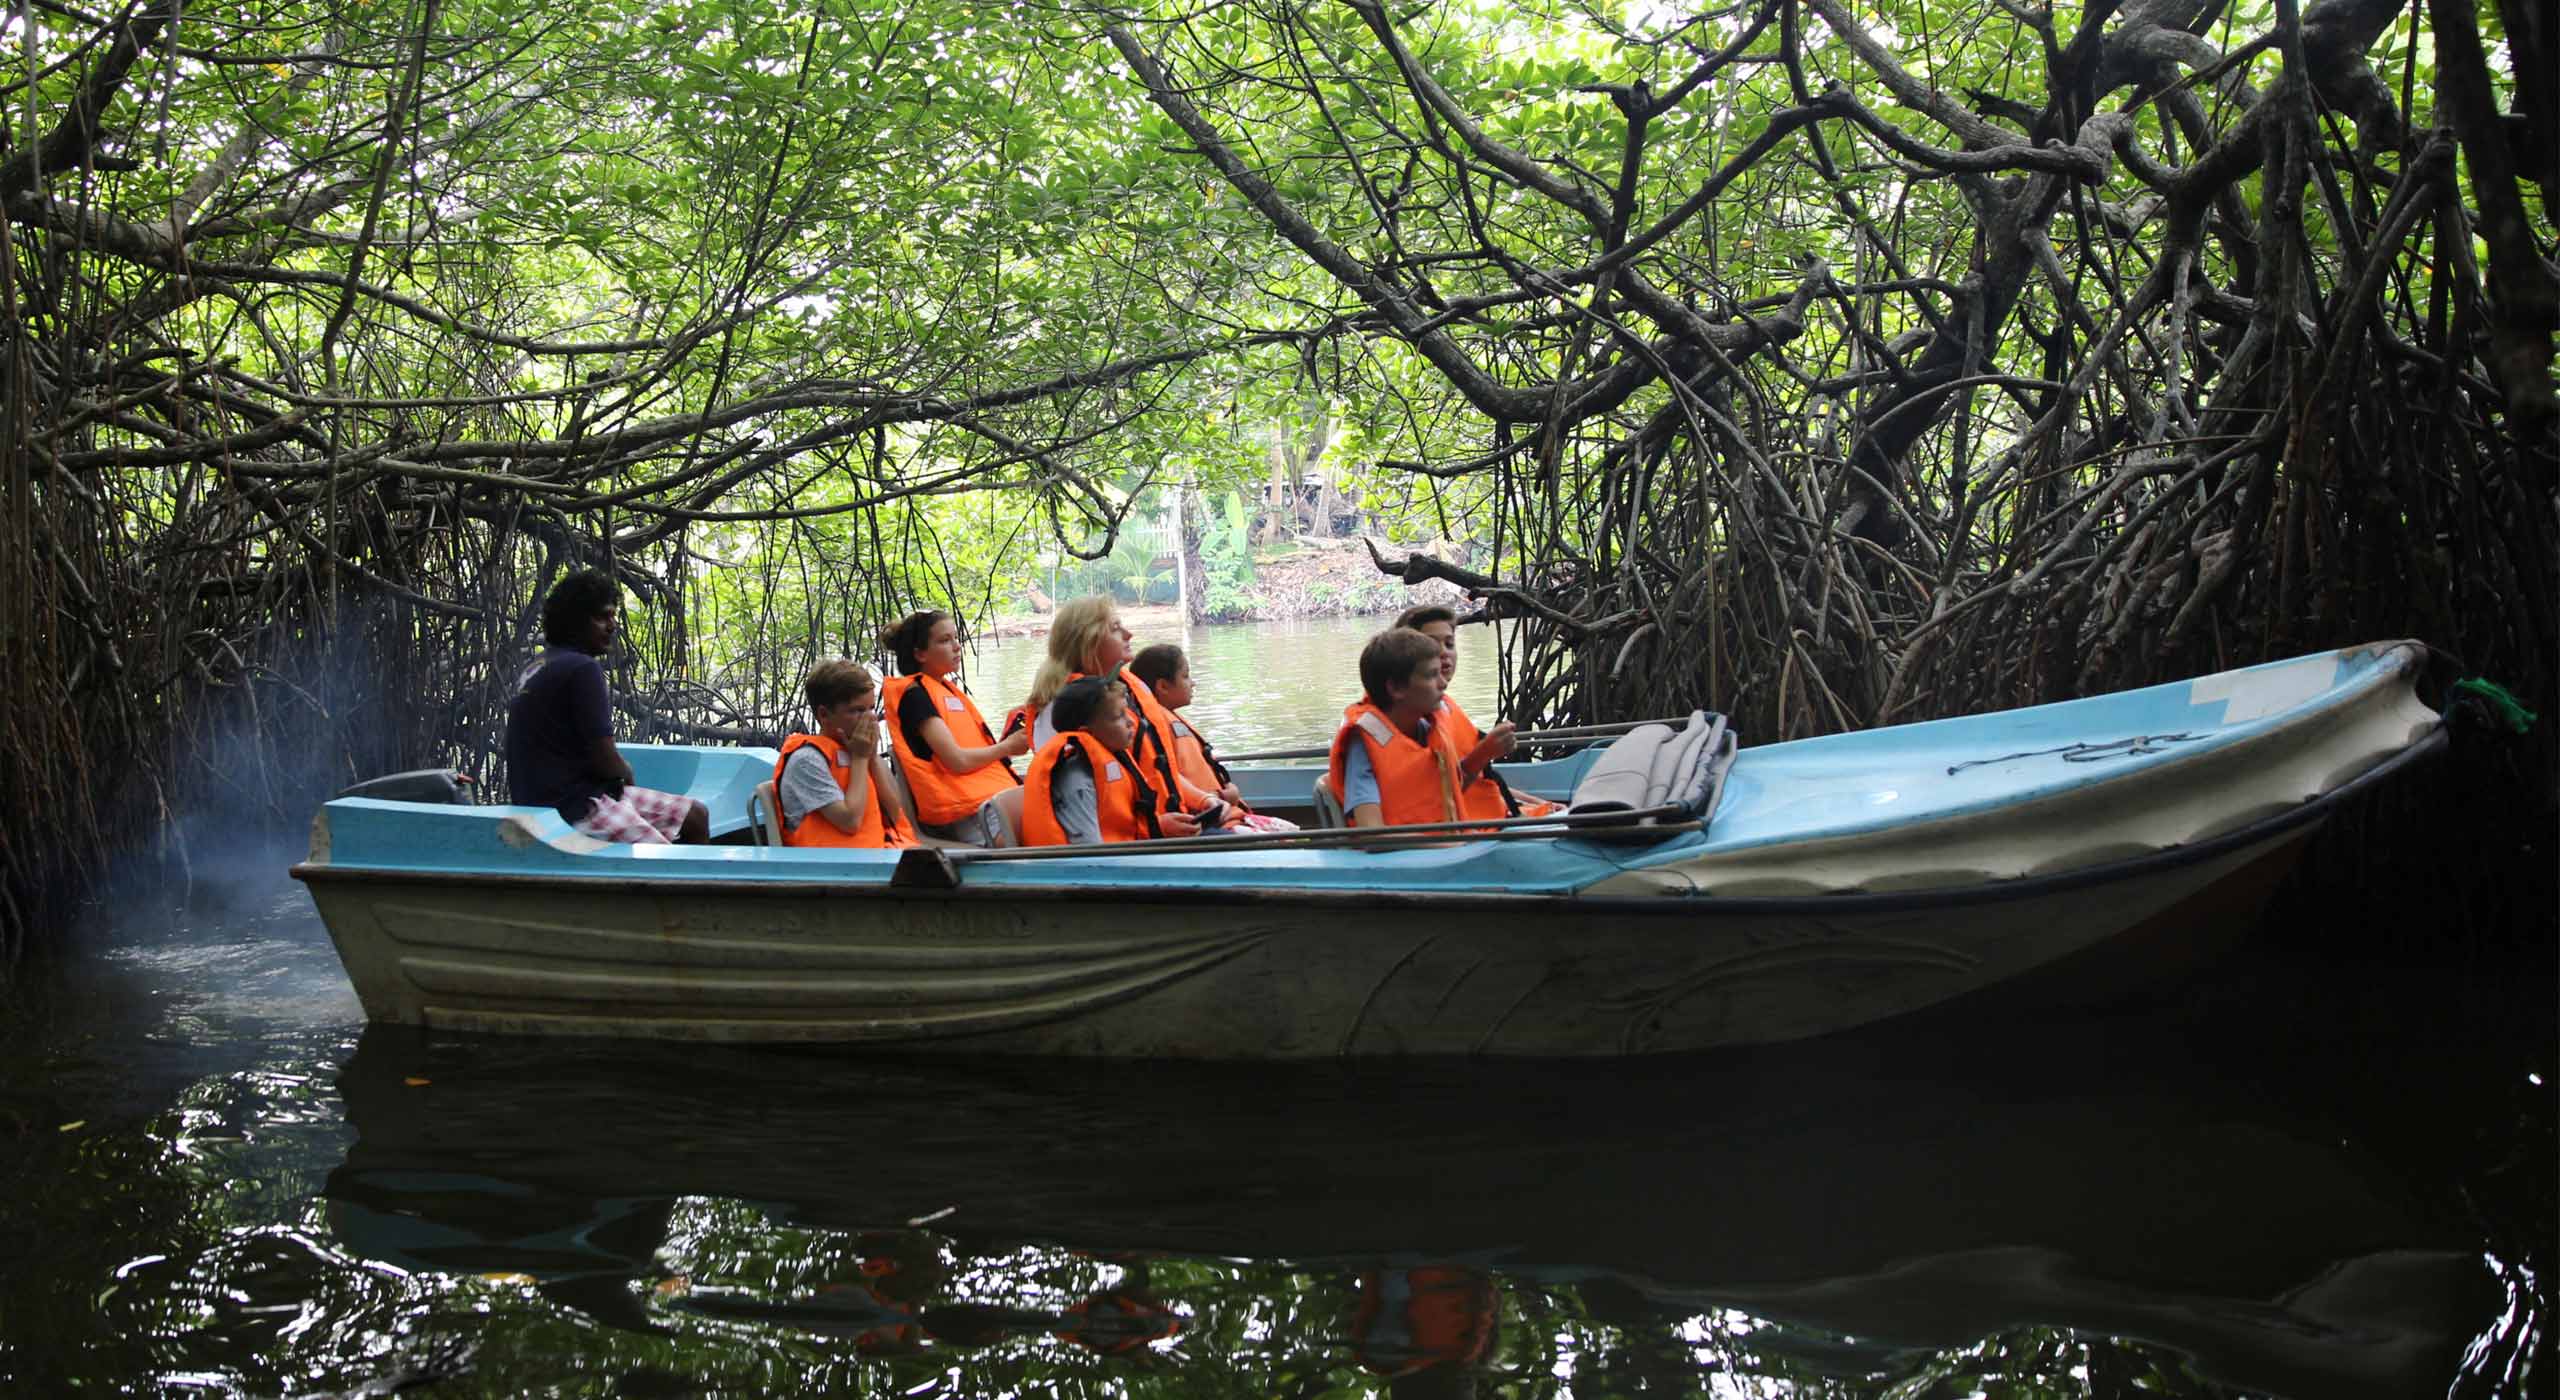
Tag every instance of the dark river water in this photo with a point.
(2321, 1169)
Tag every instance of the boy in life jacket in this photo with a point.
(1441, 625)
(1083, 788)
(1166, 673)
(833, 786)
(954, 764)
(1396, 760)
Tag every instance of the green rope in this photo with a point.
(2495, 698)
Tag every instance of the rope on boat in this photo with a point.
(2134, 746)
(2495, 703)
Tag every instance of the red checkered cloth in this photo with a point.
(640, 816)
(1257, 823)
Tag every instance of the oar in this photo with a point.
(1585, 733)
(939, 867)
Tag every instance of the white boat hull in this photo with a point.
(1053, 972)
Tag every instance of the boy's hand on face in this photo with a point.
(866, 730)
(1178, 824)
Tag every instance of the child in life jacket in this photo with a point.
(833, 786)
(1166, 672)
(954, 764)
(1396, 760)
(1441, 625)
(1083, 788)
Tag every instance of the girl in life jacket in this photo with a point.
(1440, 624)
(1086, 638)
(1166, 673)
(1084, 789)
(1396, 760)
(834, 789)
(955, 766)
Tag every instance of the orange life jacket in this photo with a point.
(1123, 802)
(1466, 736)
(1153, 745)
(883, 827)
(942, 796)
(1417, 779)
(1462, 730)
(1411, 1320)
(1192, 756)
(1151, 720)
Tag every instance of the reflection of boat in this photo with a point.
(1842, 880)
(2108, 1187)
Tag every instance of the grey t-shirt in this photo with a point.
(1073, 800)
(807, 785)
(1359, 777)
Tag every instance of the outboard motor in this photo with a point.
(416, 785)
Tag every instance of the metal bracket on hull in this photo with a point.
(924, 868)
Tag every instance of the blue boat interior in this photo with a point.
(1811, 789)
(1843, 785)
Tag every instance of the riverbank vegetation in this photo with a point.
(1828, 363)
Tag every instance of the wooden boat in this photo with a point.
(1694, 896)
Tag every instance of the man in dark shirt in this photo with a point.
(560, 749)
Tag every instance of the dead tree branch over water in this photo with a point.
(2155, 346)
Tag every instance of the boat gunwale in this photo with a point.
(2337, 699)
(1668, 904)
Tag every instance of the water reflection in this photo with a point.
(1823, 1214)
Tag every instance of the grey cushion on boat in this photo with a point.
(1655, 766)
(416, 785)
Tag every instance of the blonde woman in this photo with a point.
(1086, 638)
